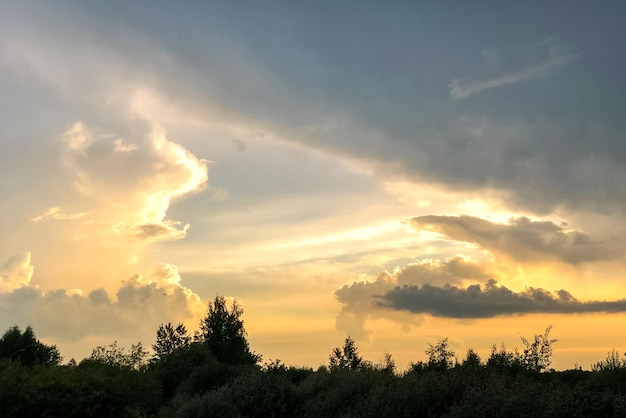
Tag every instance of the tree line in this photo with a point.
(214, 373)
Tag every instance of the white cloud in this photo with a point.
(77, 137)
(54, 213)
(141, 303)
(130, 187)
(121, 147)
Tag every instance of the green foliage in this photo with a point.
(223, 332)
(113, 355)
(188, 380)
(89, 390)
(347, 393)
(293, 373)
(190, 370)
(25, 349)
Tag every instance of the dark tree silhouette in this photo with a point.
(170, 339)
(537, 355)
(113, 355)
(25, 349)
(472, 360)
(612, 361)
(347, 358)
(440, 355)
(388, 365)
(223, 333)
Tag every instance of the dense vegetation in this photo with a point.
(214, 374)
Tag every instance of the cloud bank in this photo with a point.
(360, 300)
(447, 288)
(491, 301)
(521, 239)
(141, 303)
(542, 152)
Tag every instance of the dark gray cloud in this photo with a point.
(521, 239)
(373, 85)
(360, 300)
(490, 301)
(539, 61)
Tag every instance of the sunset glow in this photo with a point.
(396, 173)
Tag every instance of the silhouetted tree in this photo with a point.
(472, 360)
(440, 355)
(223, 332)
(25, 349)
(503, 359)
(347, 358)
(170, 339)
(537, 355)
(612, 361)
(114, 355)
(388, 365)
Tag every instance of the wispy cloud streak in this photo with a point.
(555, 58)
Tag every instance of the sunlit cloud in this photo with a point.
(132, 186)
(77, 138)
(16, 272)
(141, 302)
(55, 213)
(521, 238)
(358, 307)
(121, 147)
(360, 302)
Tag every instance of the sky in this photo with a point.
(397, 172)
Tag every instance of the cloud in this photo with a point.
(16, 272)
(77, 138)
(166, 230)
(130, 187)
(141, 303)
(521, 239)
(360, 300)
(55, 213)
(476, 302)
(561, 148)
(552, 57)
(121, 147)
(454, 270)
